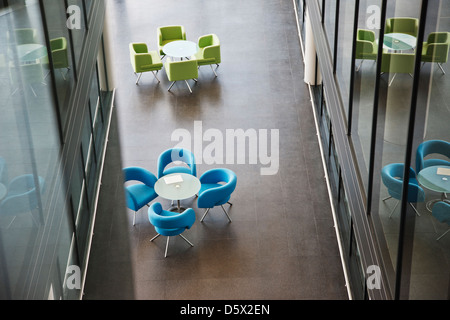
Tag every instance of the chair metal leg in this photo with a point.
(390, 215)
(171, 86)
(186, 240)
(443, 235)
(188, 85)
(359, 67)
(139, 78)
(167, 246)
(226, 213)
(387, 198)
(155, 76)
(417, 212)
(440, 66)
(213, 70)
(154, 237)
(206, 212)
(134, 218)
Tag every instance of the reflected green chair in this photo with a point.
(24, 36)
(60, 54)
(181, 70)
(436, 48)
(143, 60)
(402, 25)
(168, 34)
(209, 51)
(397, 63)
(366, 46)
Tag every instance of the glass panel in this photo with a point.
(55, 12)
(329, 22)
(429, 258)
(33, 214)
(77, 26)
(394, 107)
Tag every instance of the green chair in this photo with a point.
(143, 60)
(397, 63)
(24, 36)
(209, 51)
(181, 70)
(60, 54)
(436, 48)
(168, 34)
(402, 25)
(366, 46)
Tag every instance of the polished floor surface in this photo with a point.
(281, 243)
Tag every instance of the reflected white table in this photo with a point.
(399, 41)
(437, 179)
(177, 186)
(31, 52)
(180, 49)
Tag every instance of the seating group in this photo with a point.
(144, 60)
(428, 154)
(217, 185)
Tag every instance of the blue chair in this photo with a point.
(441, 211)
(392, 177)
(142, 193)
(176, 154)
(22, 196)
(217, 185)
(168, 223)
(429, 147)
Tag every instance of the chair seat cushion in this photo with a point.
(142, 194)
(201, 60)
(435, 162)
(169, 232)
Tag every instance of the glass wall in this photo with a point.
(47, 196)
(395, 104)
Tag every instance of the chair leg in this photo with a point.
(213, 70)
(171, 86)
(167, 247)
(206, 212)
(442, 69)
(139, 78)
(155, 76)
(151, 240)
(134, 218)
(226, 213)
(417, 212)
(390, 215)
(359, 67)
(443, 235)
(186, 240)
(188, 85)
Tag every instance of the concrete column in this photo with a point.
(310, 55)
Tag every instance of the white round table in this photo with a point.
(177, 186)
(180, 49)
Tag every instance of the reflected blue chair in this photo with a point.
(168, 223)
(392, 177)
(441, 211)
(429, 147)
(22, 197)
(176, 154)
(141, 193)
(217, 185)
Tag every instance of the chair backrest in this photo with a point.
(431, 147)
(397, 62)
(171, 33)
(211, 46)
(59, 53)
(441, 211)
(173, 155)
(181, 70)
(367, 35)
(139, 174)
(402, 25)
(23, 196)
(170, 220)
(392, 177)
(438, 37)
(211, 197)
(438, 52)
(25, 35)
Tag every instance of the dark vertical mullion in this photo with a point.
(409, 145)
(352, 72)
(336, 35)
(375, 109)
(86, 24)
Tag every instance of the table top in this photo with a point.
(431, 178)
(180, 48)
(183, 186)
(31, 51)
(399, 41)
